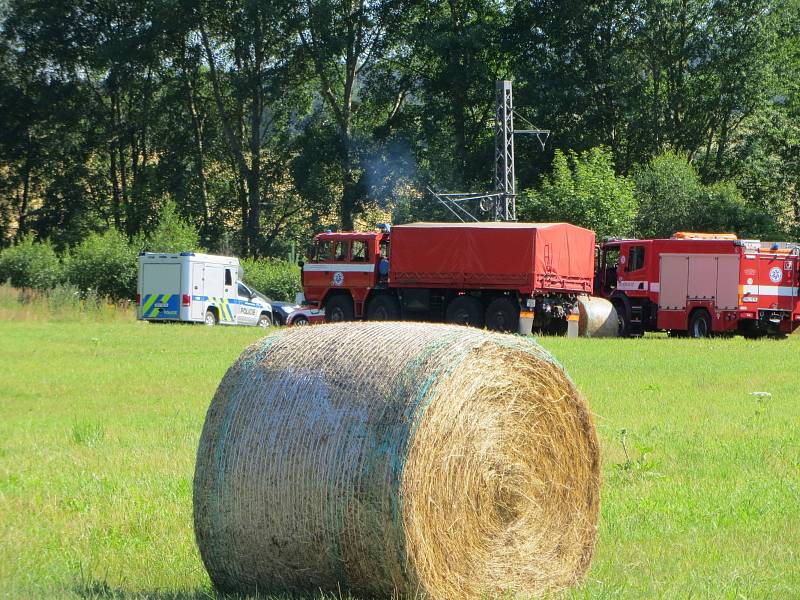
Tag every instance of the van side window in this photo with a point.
(341, 252)
(243, 291)
(322, 251)
(358, 251)
(228, 277)
(635, 258)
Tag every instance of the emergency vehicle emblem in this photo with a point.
(338, 278)
(775, 274)
(787, 265)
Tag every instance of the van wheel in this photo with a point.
(465, 310)
(338, 308)
(700, 324)
(383, 308)
(211, 318)
(502, 315)
(264, 321)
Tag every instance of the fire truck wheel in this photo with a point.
(700, 324)
(465, 310)
(624, 319)
(383, 308)
(502, 314)
(338, 308)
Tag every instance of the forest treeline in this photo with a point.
(264, 121)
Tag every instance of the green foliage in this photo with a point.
(105, 264)
(584, 190)
(669, 192)
(672, 198)
(276, 279)
(172, 233)
(31, 264)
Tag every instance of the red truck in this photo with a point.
(698, 284)
(482, 274)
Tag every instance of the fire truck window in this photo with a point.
(635, 258)
(384, 250)
(610, 275)
(341, 252)
(322, 251)
(358, 251)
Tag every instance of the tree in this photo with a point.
(344, 41)
(584, 190)
(172, 234)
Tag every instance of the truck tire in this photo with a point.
(502, 314)
(264, 321)
(211, 318)
(624, 318)
(700, 324)
(383, 307)
(339, 308)
(465, 310)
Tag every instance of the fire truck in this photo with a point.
(698, 284)
(480, 274)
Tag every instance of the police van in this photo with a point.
(200, 288)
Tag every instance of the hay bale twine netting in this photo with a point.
(383, 458)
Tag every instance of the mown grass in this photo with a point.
(99, 422)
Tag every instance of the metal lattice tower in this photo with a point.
(502, 201)
(505, 206)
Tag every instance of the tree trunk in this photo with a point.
(26, 191)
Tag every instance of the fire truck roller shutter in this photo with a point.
(350, 458)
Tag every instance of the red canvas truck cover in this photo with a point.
(529, 257)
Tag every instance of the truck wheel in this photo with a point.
(300, 321)
(211, 318)
(624, 319)
(264, 321)
(338, 308)
(383, 308)
(502, 315)
(700, 324)
(465, 310)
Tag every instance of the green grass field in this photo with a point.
(99, 421)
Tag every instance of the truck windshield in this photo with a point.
(322, 251)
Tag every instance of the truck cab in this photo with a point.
(341, 271)
(624, 270)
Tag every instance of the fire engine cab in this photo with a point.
(698, 284)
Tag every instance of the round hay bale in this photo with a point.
(597, 317)
(402, 459)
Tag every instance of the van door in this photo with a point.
(198, 293)
(214, 288)
(247, 312)
(230, 296)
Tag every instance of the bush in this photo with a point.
(672, 198)
(105, 265)
(172, 234)
(277, 279)
(584, 190)
(31, 264)
(669, 189)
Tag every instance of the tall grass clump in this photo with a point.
(278, 279)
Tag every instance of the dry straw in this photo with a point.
(401, 459)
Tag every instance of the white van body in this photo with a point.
(201, 288)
